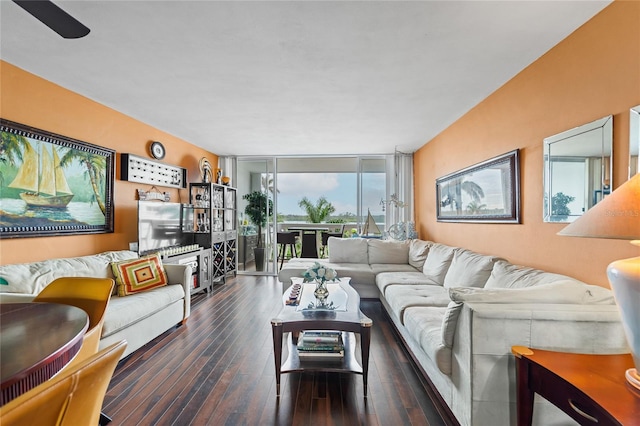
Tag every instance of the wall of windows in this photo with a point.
(327, 190)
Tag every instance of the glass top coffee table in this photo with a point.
(340, 311)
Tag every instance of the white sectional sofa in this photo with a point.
(459, 312)
(137, 318)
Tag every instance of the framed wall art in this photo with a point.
(52, 184)
(488, 192)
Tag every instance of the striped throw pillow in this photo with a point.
(136, 275)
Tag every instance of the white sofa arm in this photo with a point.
(484, 368)
(561, 327)
(181, 274)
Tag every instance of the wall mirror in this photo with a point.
(577, 170)
(634, 139)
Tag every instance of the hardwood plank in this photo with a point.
(219, 369)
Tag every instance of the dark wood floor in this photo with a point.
(219, 370)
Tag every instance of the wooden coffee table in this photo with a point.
(344, 316)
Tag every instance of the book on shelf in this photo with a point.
(321, 336)
(309, 347)
(320, 356)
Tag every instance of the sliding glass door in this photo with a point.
(307, 195)
(255, 181)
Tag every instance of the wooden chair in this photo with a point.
(73, 397)
(90, 294)
(286, 239)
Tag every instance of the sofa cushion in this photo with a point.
(418, 250)
(385, 279)
(134, 276)
(380, 268)
(438, 261)
(31, 278)
(469, 269)
(508, 275)
(565, 291)
(388, 251)
(400, 297)
(359, 273)
(424, 324)
(348, 250)
(124, 311)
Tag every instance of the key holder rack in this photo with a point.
(142, 170)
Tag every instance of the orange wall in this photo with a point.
(592, 73)
(30, 100)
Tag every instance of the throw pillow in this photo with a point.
(507, 275)
(418, 250)
(134, 276)
(388, 252)
(469, 269)
(438, 262)
(449, 323)
(348, 250)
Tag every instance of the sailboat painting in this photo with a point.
(53, 185)
(42, 178)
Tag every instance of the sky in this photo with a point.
(338, 188)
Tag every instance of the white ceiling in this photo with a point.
(292, 77)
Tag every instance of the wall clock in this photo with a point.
(157, 150)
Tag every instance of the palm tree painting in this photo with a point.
(452, 193)
(488, 191)
(95, 167)
(53, 185)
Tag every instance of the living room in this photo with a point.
(559, 95)
(590, 74)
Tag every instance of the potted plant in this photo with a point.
(259, 208)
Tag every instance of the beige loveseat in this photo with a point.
(137, 318)
(459, 312)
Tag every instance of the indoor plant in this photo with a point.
(259, 209)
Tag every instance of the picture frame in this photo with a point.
(52, 184)
(487, 192)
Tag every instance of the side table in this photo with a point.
(591, 389)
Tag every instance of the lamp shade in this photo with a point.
(617, 216)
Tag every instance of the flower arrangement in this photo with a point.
(319, 273)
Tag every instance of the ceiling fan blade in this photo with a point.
(54, 17)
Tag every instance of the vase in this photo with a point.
(321, 291)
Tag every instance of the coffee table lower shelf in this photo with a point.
(346, 364)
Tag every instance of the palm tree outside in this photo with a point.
(317, 212)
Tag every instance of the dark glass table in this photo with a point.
(36, 341)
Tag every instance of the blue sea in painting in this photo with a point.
(88, 213)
